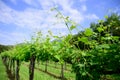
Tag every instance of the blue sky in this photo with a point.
(19, 19)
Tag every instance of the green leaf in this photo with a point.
(84, 73)
(68, 37)
(100, 21)
(100, 29)
(67, 18)
(55, 36)
(116, 38)
(88, 32)
(105, 46)
(83, 54)
(79, 39)
(50, 32)
(107, 34)
(57, 57)
(84, 39)
(52, 9)
(72, 27)
(81, 65)
(106, 17)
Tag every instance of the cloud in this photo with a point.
(92, 16)
(14, 1)
(12, 38)
(35, 18)
(41, 18)
(30, 18)
(82, 0)
(84, 8)
(46, 4)
(31, 2)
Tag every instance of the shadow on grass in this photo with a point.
(57, 67)
(9, 73)
(51, 74)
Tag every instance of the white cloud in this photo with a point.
(42, 19)
(31, 18)
(5, 15)
(34, 18)
(46, 4)
(92, 16)
(84, 8)
(37, 19)
(31, 2)
(68, 10)
(14, 1)
(82, 0)
(12, 38)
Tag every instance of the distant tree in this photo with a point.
(111, 23)
(3, 47)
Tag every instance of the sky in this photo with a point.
(20, 19)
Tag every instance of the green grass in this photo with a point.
(56, 71)
(3, 74)
(68, 74)
(38, 75)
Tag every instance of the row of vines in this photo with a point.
(98, 56)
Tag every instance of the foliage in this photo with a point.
(3, 74)
(5, 47)
(92, 53)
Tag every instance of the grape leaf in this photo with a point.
(88, 32)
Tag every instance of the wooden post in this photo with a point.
(31, 67)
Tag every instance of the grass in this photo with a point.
(41, 75)
(3, 74)
(67, 73)
(38, 75)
